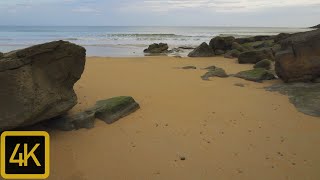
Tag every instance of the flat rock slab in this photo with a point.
(109, 110)
(304, 96)
(113, 109)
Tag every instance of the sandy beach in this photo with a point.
(223, 131)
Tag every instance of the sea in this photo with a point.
(124, 41)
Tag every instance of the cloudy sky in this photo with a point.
(267, 13)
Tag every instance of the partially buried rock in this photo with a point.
(202, 51)
(109, 111)
(256, 75)
(214, 72)
(157, 48)
(37, 83)
(189, 67)
(266, 64)
(252, 57)
(304, 96)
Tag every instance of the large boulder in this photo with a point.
(157, 48)
(221, 43)
(299, 60)
(37, 82)
(202, 51)
(281, 37)
(252, 57)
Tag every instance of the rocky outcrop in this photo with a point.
(37, 82)
(266, 64)
(281, 37)
(316, 27)
(256, 75)
(157, 48)
(252, 57)
(214, 72)
(299, 60)
(202, 51)
(109, 111)
(221, 43)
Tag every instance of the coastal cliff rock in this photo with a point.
(202, 51)
(37, 82)
(299, 61)
(157, 48)
(221, 43)
(252, 57)
(109, 111)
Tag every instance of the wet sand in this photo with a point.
(222, 131)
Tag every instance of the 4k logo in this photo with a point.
(25, 155)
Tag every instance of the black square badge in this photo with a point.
(25, 155)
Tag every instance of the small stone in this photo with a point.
(182, 158)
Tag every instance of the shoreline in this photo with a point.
(221, 130)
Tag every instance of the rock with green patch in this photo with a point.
(111, 110)
(256, 75)
(214, 72)
(304, 96)
(266, 64)
(252, 57)
(239, 47)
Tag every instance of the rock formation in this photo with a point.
(37, 82)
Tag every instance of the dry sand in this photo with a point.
(224, 131)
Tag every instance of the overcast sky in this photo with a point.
(266, 13)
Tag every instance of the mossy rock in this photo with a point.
(266, 64)
(111, 110)
(256, 75)
(216, 72)
(259, 44)
(218, 52)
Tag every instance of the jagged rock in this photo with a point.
(37, 83)
(218, 52)
(109, 110)
(214, 72)
(221, 43)
(266, 64)
(232, 54)
(202, 51)
(157, 48)
(256, 75)
(316, 27)
(304, 96)
(252, 57)
(299, 61)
